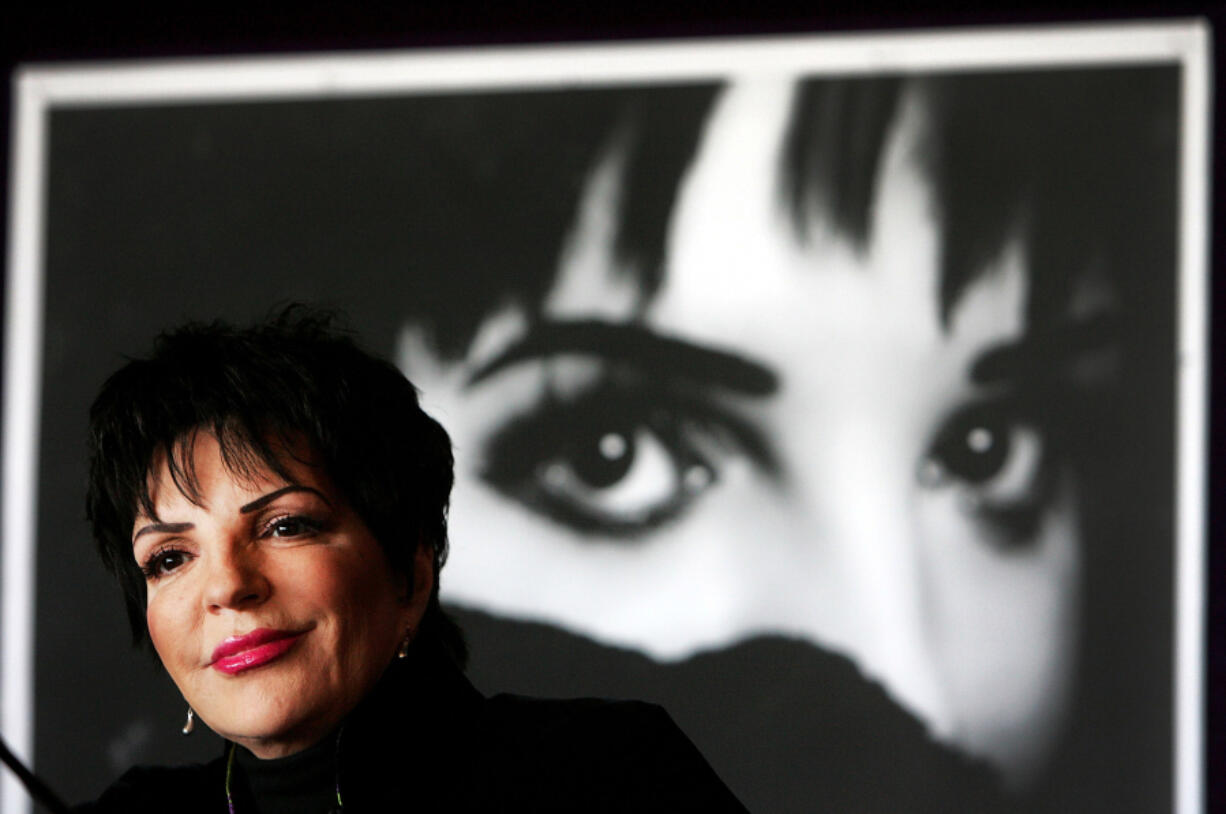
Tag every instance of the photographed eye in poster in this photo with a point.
(822, 390)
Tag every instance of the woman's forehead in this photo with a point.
(750, 202)
(733, 254)
(201, 460)
(732, 230)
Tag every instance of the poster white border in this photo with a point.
(39, 89)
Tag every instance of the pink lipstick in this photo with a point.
(259, 647)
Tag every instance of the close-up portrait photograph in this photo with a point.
(805, 423)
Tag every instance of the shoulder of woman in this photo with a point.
(619, 751)
(188, 789)
(528, 717)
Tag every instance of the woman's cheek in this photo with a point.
(165, 617)
(1004, 626)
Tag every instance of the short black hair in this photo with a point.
(262, 390)
(1077, 165)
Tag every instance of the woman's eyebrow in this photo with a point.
(261, 502)
(166, 528)
(637, 345)
(1045, 353)
(258, 503)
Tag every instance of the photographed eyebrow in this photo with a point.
(261, 502)
(641, 347)
(1045, 353)
(166, 528)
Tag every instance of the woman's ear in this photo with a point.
(417, 596)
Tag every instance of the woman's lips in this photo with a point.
(239, 653)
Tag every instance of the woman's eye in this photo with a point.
(612, 462)
(996, 459)
(291, 526)
(623, 475)
(163, 562)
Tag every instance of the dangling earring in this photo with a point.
(403, 650)
(190, 724)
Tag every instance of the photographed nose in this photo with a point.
(881, 561)
(235, 580)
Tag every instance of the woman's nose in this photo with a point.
(234, 580)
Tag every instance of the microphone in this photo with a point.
(39, 790)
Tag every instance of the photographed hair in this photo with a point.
(263, 391)
(1044, 157)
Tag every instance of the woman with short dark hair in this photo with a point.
(273, 502)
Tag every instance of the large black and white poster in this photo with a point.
(841, 395)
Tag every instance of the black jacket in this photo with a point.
(426, 740)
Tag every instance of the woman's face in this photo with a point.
(783, 439)
(270, 604)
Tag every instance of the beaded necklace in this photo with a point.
(340, 803)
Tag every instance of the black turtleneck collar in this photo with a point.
(302, 783)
